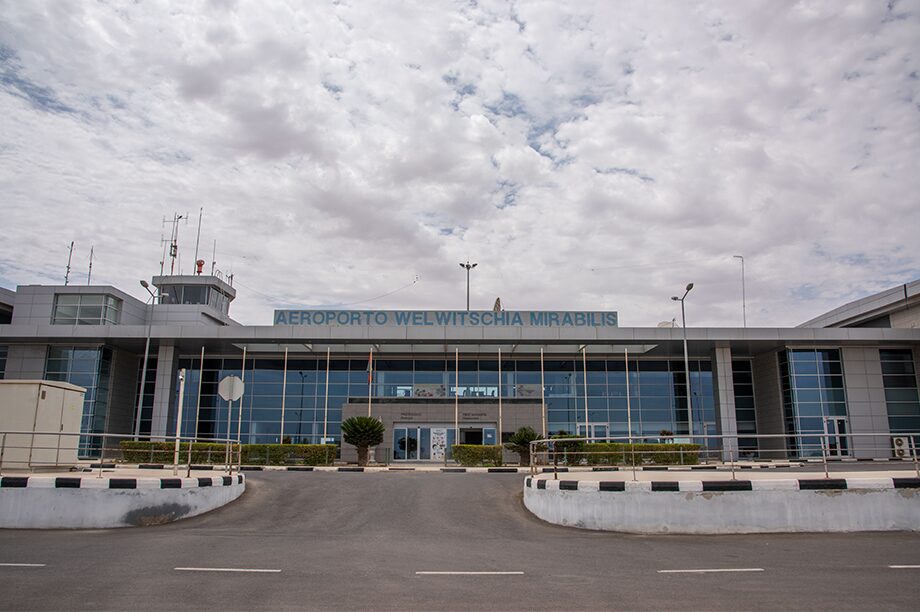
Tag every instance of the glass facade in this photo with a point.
(901, 395)
(90, 368)
(150, 384)
(814, 400)
(85, 309)
(745, 414)
(657, 392)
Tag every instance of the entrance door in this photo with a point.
(471, 436)
(422, 443)
(596, 431)
(837, 440)
(405, 443)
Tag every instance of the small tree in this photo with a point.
(519, 442)
(362, 432)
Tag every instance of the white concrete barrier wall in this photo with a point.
(41, 505)
(778, 507)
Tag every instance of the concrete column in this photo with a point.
(768, 403)
(867, 410)
(723, 387)
(164, 391)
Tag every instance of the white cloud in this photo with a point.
(598, 155)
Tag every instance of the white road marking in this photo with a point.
(904, 566)
(711, 571)
(469, 573)
(226, 569)
(22, 565)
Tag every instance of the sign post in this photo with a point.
(230, 388)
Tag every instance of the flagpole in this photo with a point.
(370, 377)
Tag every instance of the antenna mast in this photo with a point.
(174, 241)
(90, 274)
(69, 257)
(198, 239)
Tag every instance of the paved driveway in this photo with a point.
(408, 541)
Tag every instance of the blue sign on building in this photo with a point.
(454, 318)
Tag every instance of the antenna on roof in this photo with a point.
(163, 241)
(174, 241)
(69, 257)
(90, 274)
(198, 239)
(214, 258)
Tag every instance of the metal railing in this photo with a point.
(52, 450)
(650, 451)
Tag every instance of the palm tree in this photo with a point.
(519, 442)
(362, 432)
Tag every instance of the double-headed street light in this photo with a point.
(468, 267)
(683, 321)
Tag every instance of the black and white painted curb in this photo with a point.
(490, 470)
(90, 482)
(701, 486)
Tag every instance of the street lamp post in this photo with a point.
(683, 320)
(743, 300)
(468, 266)
(140, 397)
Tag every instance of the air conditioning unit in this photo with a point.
(901, 446)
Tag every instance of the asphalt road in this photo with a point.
(364, 541)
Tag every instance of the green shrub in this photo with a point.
(622, 453)
(215, 453)
(474, 454)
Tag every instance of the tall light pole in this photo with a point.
(743, 302)
(140, 397)
(468, 267)
(683, 320)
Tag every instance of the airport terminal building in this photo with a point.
(439, 377)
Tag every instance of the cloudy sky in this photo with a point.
(588, 155)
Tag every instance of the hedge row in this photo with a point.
(209, 452)
(474, 454)
(622, 453)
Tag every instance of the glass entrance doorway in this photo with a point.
(837, 440)
(422, 442)
(433, 442)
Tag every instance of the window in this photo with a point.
(901, 394)
(813, 393)
(3, 350)
(85, 309)
(745, 415)
(87, 367)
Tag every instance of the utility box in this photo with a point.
(46, 414)
(901, 447)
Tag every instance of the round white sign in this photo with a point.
(230, 388)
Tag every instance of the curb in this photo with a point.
(702, 486)
(89, 482)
